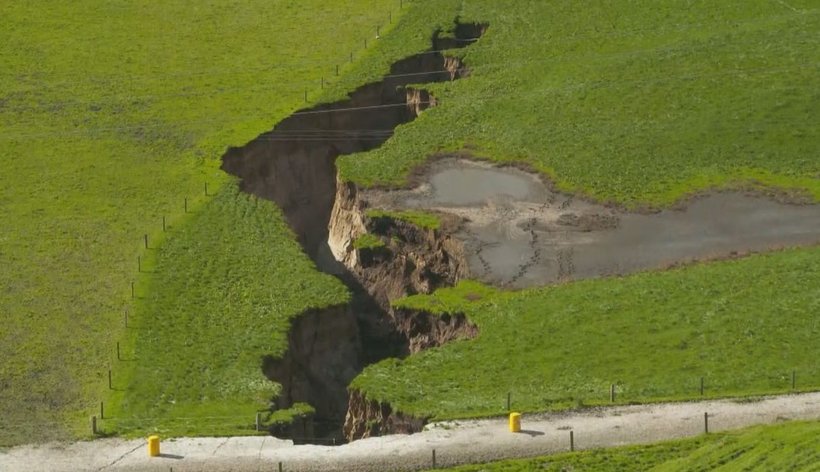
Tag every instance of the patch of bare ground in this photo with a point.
(519, 232)
(294, 166)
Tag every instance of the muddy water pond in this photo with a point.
(518, 233)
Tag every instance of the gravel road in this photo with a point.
(454, 442)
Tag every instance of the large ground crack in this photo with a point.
(294, 166)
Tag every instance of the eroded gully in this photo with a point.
(294, 166)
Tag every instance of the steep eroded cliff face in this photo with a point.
(294, 166)
(425, 330)
(413, 259)
(367, 418)
(324, 354)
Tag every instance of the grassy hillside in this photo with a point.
(789, 446)
(219, 296)
(742, 325)
(110, 114)
(638, 102)
(224, 288)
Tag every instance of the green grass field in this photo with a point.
(743, 325)
(219, 297)
(635, 102)
(418, 218)
(789, 446)
(110, 114)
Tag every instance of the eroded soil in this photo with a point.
(294, 165)
(518, 233)
(514, 232)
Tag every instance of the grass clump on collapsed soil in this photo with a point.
(111, 113)
(422, 219)
(220, 296)
(743, 325)
(788, 446)
(639, 103)
(466, 295)
(368, 241)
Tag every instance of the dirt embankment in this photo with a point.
(294, 166)
(411, 260)
(370, 418)
(425, 330)
(323, 356)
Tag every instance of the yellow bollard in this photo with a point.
(153, 446)
(515, 422)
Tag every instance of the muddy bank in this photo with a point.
(323, 355)
(426, 330)
(519, 233)
(410, 259)
(294, 166)
(370, 418)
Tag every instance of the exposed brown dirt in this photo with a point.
(504, 225)
(323, 356)
(412, 260)
(294, 166)
(426, 330)
(370, 418)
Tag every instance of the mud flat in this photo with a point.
(518, 233)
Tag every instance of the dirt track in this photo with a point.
(454, 442)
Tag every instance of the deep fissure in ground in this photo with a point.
(294, 166)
